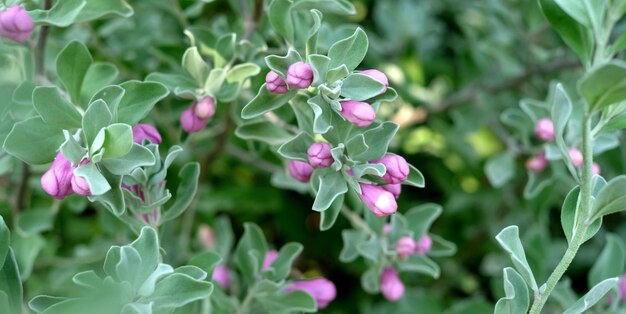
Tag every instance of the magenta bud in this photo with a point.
(189, 119)
(144, 131)
(391, 286)
(537, 163)
(424, 245)
(544, 129)
(300, 75)
(319, 155)
(16, 24)
(405, 247)
(205, 108)
(621, 287)
(321, 289)
(386, 229)
(377, 75)
(57, 181)
(379, 201)
(300, 171)
(595, 169)
(206, 236)
(270, 257)
(394, 189)
(358, 113)
(576, 156)
(397, 168)
(275, 84)
(80, 186)
(221, 275)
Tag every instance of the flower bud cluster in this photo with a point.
(60, 181)
(16, 24)
(195, 117)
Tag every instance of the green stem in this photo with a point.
(245, 305)
(356, 221)
(583, 211)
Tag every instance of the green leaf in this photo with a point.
(341, 72)
(377, 141)
(62, 13)
(111, 95)
(329, 216)
(99, 75)
(592, 297)
(322, 115)
(279, 14)
(71, 148)
(138, 100)
(420, 264)
(225, 48)
(73, 62)
(331, 186)
(5, 241)
(41, 302)
(611, 261)
(174, 82)
(176, 290)
(98, 184)
(186, 191)
(349, 51)
(569, 217)
(604, 85)
(361, 87)
(207, 261)
(500, 169)
(560, 114)
(282, 303)
(319, 65)
(517, 298)
(43, 141)
(118, 140)
(33, 221)
(441, 247)
(138, 156)
(241, 72)
(297, 147)
(370, 280)
(280, 64)
(351, 239)
(195, 66)
(265, 102)
(589, 13)
(611, 198)
(97, 117)
(54, 109)
(370, 249)
(420, 218)
(250, 252)
(96, 9)
(10, 283)
(282, 264)
(508, 238)
(575, 35)
(264, 131)
(415, 178)
(147, 246)
(311, 43)
(341, 7)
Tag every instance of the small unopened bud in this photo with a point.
(377, 75)
(537, 163)
(16, 24)
(270, 257)
(405, 247)
(544, 129)
(386, 229)
(576, 156)
(319, 155)
(205, 108)
(144, 131)
(424, 245)
(397, 168)
(391, 286)
(221, 275)
(321, 289)
(595, 169)
(196, 116)
(206, 236)
(394, 189)
(57, 181)
(300, 171)
(358, 113)
(300, 75)
(379, 201)
(275, 84)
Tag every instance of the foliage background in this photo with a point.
(457, 66)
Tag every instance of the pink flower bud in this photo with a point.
(405, 247)
(221, 275)
(379, 201)
(80, 186)
(275, 84)
(16, 24)
(206, 236)
(424, 245)
(595, 169)
(205, 108)
(57, 181)
(386, 229)
(394, 189)
(300, 171)
(151, 218)
(544, 129)
(189, 119)
(321, 289)
(397, 168)
(358, 113)
(300, 75)
(621, 287)
(270, 257)
(576, 156)
(319, 155)
(377, 75)
(391, 286)
(144, 131)
(537, 163)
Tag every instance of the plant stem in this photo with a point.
(243, 309)
(356, 221)
(582, 212)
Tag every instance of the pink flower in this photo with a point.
(386, 229)
(424, 245)
(379, 201)
(537, 163)
(319, 155)
(275, 84)
(576, 156)
(16, 24)
(391, 286)
(377, 75)
(621, 286)
(206, 236)
(300, 171)
(221, 275)
(205, 108)
(79, 184)
(321, 289)
(405, 247)
(300, 75)
(544, 129)
(196, 116)
(397, 168)
(595, 169)
(144, 131)
(270, 257)
(358, 113)
(394, 189)
(57, 181)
